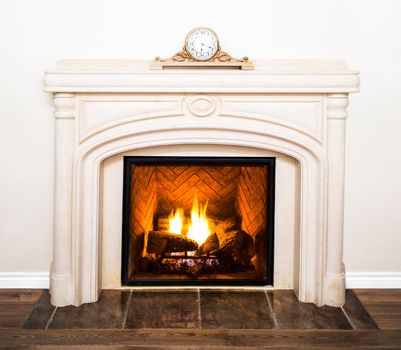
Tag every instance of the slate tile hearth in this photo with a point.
(291, 314)
(163, 309)
(108, 312)
(229, 309)
(196, 309)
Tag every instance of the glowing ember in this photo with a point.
(175, 221)
(198, 225)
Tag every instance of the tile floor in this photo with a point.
(199, 309)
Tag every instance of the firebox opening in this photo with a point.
(198, 221)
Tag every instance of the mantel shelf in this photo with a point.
(269, 76)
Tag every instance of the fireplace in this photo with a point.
(198, 221)
(108, 111)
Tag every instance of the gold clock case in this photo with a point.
(221, 59)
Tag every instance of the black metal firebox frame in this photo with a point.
(270, 162)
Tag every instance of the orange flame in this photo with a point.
(198, 228)
(198, 225)
(176, 221)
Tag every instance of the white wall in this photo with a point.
(366, 33)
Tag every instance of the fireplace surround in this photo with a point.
(294, 111)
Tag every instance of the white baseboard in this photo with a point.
(24, 280)
(373, 280)
(353, 280)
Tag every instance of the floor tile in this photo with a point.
(357, 314)
(292, 314)
(235, 309)
(108, 312)
(163, 309)
(40, 314)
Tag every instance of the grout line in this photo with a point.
(199, 309)
(51, 318)
(271, 310)
(127, 309)
(348, 318)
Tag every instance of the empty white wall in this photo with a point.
(365, 33)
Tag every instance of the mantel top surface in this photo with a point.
(143, 66)
(269, 76)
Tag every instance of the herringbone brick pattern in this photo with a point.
(177, 186)
(251, 199)
(229, 190)
(251, 206)
(143, 208)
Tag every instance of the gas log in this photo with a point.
(236, 247)
(165, 242)
(233, 247)
(211, 244)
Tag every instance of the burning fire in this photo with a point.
(175, 221)
(198, 225)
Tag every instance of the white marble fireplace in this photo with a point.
(292, 110)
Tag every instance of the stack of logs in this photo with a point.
(227, 249)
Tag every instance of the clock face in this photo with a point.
(202, 44)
